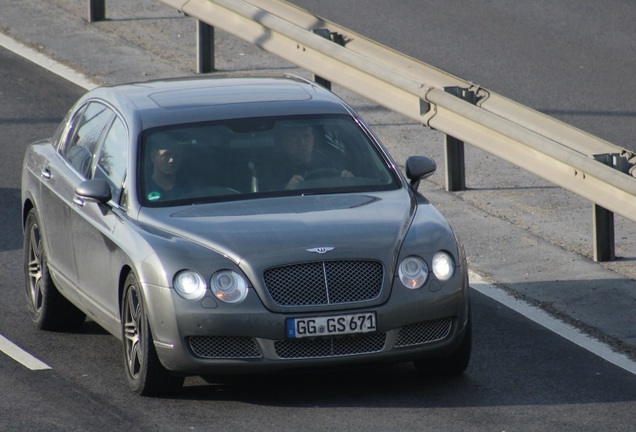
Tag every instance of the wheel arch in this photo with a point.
(123, 274)
(26, 208)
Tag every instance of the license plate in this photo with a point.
(331, 325)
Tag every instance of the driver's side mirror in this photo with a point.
(418, 168)
(96, 190)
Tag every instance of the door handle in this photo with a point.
(46, 173)
(78, 201)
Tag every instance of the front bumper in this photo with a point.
(208, 337)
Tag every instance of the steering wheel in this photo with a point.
(322, 173)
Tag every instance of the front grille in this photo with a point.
(224, 347)
(317, 348)
(424, 332)
(325, 283)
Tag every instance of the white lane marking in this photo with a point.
(545, 320)
(21, 356)
(6, 346)
(46, 62)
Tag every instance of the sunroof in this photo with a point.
(228, 94)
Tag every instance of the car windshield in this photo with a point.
(257, 157)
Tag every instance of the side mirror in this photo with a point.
(96, 190)
(418, 168)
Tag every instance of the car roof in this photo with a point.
(187, 100)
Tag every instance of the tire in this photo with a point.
(454, 364)
(145, 374)
(49, 310)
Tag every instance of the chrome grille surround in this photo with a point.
(318, 348)
(227, 347)
(325, 283)
(424, 332)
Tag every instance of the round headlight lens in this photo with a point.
(413, 272)
(229, 286)
(189, 284)
(443, 266)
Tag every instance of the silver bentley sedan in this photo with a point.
(235, 225)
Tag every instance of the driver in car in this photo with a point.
(165, 181)
(299, 157)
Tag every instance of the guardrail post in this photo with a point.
(96, 10)
(334, 37)
(454, 148)
(604, 240)
(205, 47)
(455, 164)
(604, 246)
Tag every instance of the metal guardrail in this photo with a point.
(564, 155)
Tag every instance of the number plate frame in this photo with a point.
(334, 325)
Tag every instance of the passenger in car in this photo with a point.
(300, 160)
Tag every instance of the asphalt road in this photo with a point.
(522, 376)
(570, 59)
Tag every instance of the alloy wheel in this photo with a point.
(133, 333)
(34, 267)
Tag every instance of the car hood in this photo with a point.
(275, 231)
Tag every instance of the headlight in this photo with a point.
(189, 285)
(443, 266)
(229, 286)
(413, 272)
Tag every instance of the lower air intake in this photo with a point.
(224, 347)
(320, 348)
(424, 332)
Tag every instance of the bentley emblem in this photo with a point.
(320, 250)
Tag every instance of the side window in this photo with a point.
(112, 161)
(55, 140)
(87, 127)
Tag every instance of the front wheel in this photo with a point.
(48, 309)
(453, 364)
(145, 373)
